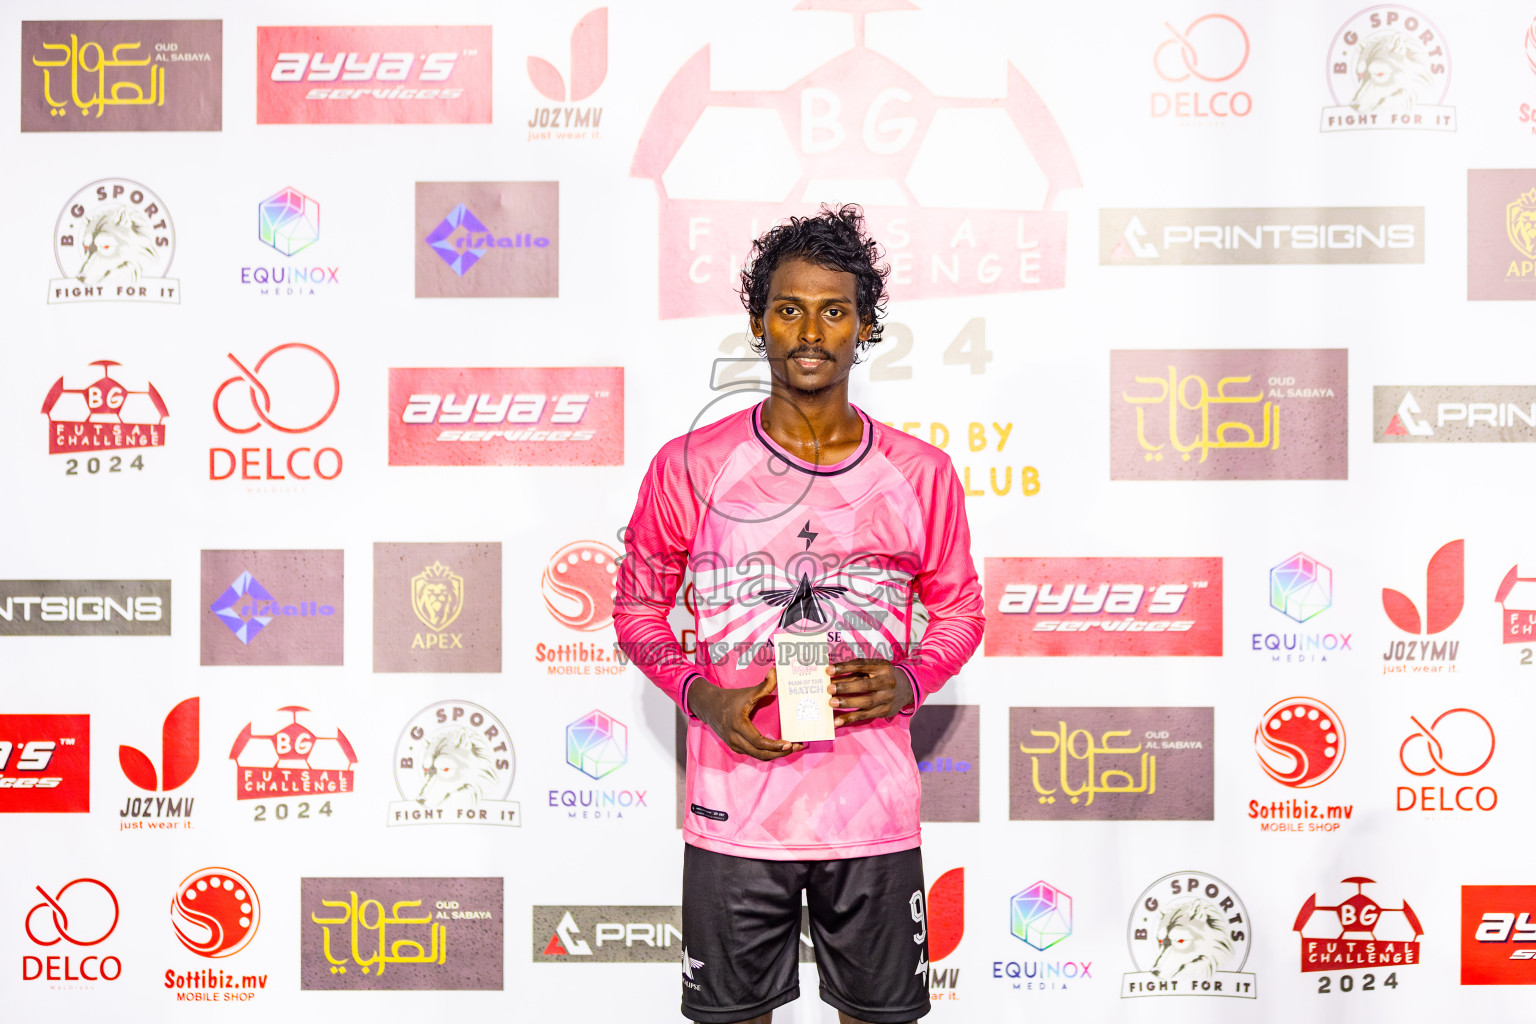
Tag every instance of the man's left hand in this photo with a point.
(868, 688)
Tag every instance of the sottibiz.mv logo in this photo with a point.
(1498, 935)
(1103, 606)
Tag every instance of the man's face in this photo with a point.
(811, 326)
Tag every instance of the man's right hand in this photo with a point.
(728, 711)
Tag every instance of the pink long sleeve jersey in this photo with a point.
(778, 543)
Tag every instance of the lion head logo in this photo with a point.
(457, 768)
(1193, 941)
(437, 596)
(118, 244)
(1520, 224)
(1394, 74)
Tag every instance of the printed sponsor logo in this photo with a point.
(436, 934)
(609, 934)
(1441, 414)
(114, 242)
(578, 586)
(978, 435)
(1197, 65)
(272, 608)
(1501, 234)
(597, 745)
(1180, 236)
(1041, 916)
(291, 761)
(459, 255)
(215, 913)
(534, 416)
(588, 69)
(437, 607)
(979, 224)
(1498, 935)
(1064, 607)
(454, 764)
(1110, 764)
(288, 222)
(1444, 594)
(45, 764)
(373, 74)
(1358, 934)
(1190, 935)
(292, 389)
(122, 76)
(1301, 589)
(1516, 598)
(85, 607)
(1300, 742)
(104, 416)
(83, 913)
(1389, 67)
(179, 752)
(947, 746)
(1448, 749)
(1161, 421)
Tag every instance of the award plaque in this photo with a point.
(805, 706)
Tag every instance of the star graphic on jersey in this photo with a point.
(802, 603)
(807, 534)
(689, 963)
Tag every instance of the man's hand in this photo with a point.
(871, 687)
(728, 711)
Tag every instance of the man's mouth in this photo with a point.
(809, 360)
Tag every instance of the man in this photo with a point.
(803, 514)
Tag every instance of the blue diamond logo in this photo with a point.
(245, 586)
(459, 260)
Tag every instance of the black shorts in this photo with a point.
(741, 935)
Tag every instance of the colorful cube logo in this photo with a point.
(1042, 915)
(1300, 587)
(596, 744)
(289, 221)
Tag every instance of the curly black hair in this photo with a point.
(833, 239)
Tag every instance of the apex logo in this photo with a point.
(589, 62)
(1444, 592)
(179, 751)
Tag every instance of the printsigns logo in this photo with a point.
(83, 913)
(947, 746)
(1358, 933)
(1137, 607)
(436, 934)
(454, 764)
(437, 607)
(1190, 936)
(292, 389)
(85, 607)
(215, 912)
(1300, 742)
(588, 68)
(957, 223)
(1517, 603)
(296, 595)
(373, 74)
(578, 585)
(1498, 935)
(113, 242)
(1215, 414)
(1501, 234)
(291, 760)
(122, 76)
(1444, 594)
(1459, 743)
(516, 256)
(533, 416)
(1389, 67)
(104, 416)
(1178, 236)
(45, 764)
(1209, 51)
(1110, 764)
(607, 934)
(1456, 414)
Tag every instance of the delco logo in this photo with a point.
(357, 67)
(1498, 936)
(1117, 605)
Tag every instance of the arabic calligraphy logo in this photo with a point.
(90, 902)
(1041, 915)
(1520, 223)
(589, 61)
(215, 912)
(1222, 40)
(296, 374)
(1301, 587)
(288, 221)
(1176, 393)
(1300, 742)
(578, 585)
(356, 914)
(1461, 745)
(1403, 421)
(103, 415)
(77, 58)
(437, 596)
(179, 751)
(597, 744)
(1064, 745)
(1444, 592)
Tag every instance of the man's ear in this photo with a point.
(866, 329)
(757, 327)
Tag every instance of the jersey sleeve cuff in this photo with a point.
(682, 696)
(917, 693)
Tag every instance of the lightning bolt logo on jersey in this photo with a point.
(775, 543)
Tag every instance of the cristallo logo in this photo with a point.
(961, 190)
(578, 585)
